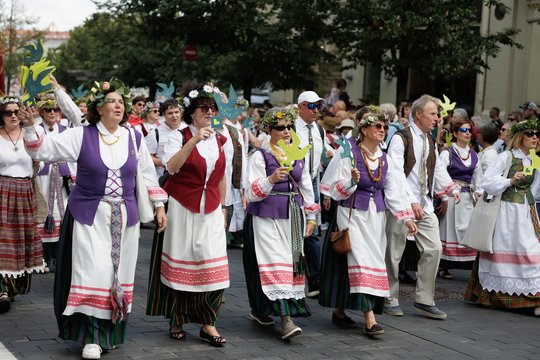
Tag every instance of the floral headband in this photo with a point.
(272, 116)
(47, 104)
(207, 91)
(372, 119)
(100, 89)
(148, 107)
(10, 100)
(524, 125)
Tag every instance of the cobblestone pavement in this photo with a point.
(29, 331)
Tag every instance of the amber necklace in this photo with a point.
(15, 147)
(109, 143)
(278, 154)
(461, 157)
(366, 157)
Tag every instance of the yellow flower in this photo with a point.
(279, 115)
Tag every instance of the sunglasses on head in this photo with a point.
(51, 110)
(380, 126)
(11, 112)
(313, 106)
(465, 130)
(531, 133)
(205, 108)
(281, 127)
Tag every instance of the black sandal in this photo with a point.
(374, 330)
(445, 274)
(178, 334)
(216, 341)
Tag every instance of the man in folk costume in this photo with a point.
(413, 151)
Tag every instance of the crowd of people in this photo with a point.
(399, 186)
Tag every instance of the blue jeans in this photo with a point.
(312, 247)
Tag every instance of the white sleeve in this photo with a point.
(157, 194)
(442, 182)
(493, 181)
(311, 208)
(336, 181)
(64, 146)
(398, 204)
(69, 109)
(151, 141)
(171, 147)
(396, 151)
(258, 186)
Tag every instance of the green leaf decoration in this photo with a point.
(35, 80)
(528, 170)
(36, 53)
(292, 151)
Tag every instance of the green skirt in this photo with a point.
(258, 301)
(180, 307)
(79, 327)
(335, 291)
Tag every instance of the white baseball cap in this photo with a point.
(346, 123)
(310, 97)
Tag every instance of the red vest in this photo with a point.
(187, 185)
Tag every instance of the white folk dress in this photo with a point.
(92, 268)
(366, 263)
(514, 266)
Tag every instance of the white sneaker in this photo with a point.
(91, 351)
(289, 328)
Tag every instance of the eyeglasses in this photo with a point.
(531, 133)
(464, 130)
(140, 104)
(205, 108)
(380, 126)
(313, 106)
(281, 127)
(9, 113)
(51, 110)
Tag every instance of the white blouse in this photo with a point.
(14, 163)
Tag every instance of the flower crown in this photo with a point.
(9, 100)
(148, 107)
(100, 89)
(47, 104)
(524, 125)
(207, 91)
(272, 116)
(372, 119)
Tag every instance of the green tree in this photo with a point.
(243, 42)
(436, 38)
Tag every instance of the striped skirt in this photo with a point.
(476, 294)
(180, 307)
(20, 244)
(79, 327)
(335, 291)
(258, 301)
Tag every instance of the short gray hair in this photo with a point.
(389, 110)
(461, 113)
(421, 103)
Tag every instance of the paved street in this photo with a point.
(29, 331)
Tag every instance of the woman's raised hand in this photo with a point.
(279, 174)
(25, 116)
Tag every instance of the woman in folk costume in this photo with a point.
(54, 187)
(509, 277)
(365, 182)
(189, 267)
(99, 238)
(281, 199)
(21, 252)
(465, 169)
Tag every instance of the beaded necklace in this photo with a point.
(109, 143)
(461, 157)
(366, 157)
(278, 154)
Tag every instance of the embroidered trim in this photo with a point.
(343, 192)
(285, 294)
(510, 258)
(518, 286)
(34, 145)
(257, 190)
(448, 189)
(157, 194)
(404, 215)
(314, 208)
(194, 263)
(206, 276)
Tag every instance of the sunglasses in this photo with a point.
(312, 106)
(205, 108)
(511, 119)
(140, 104)
(154, 111)
(11, 112)
(380, 126)
(281, 127)
(504, 129)
(51, 110)
(531, 133)
(465, 130)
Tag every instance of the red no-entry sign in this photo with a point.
(190, 52)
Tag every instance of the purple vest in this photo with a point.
(92, 177)
(367, 189)
(277, 206)
(63, 168)
(458, 171)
